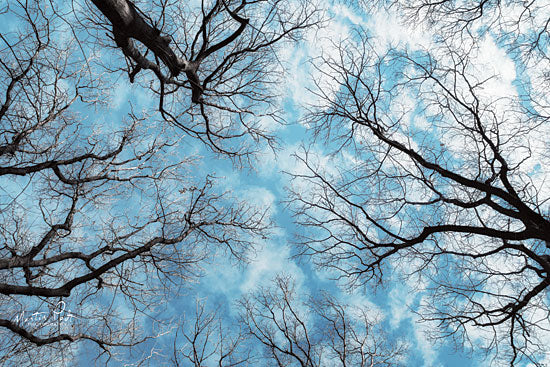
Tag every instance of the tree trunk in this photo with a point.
(128, 23)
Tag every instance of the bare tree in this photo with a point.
(438, 173)
(223, 53)
(209, 340)
(319, 331)
(521, 25)
(100, 217)
(278, 326)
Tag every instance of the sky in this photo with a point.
(266, 184)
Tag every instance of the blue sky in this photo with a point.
(393, 300)
(266, 181)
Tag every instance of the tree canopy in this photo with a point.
(408, 141)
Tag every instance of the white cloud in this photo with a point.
(401, 300)
(344, 12)
(390, 30)
(258, 196)
(273, 259)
